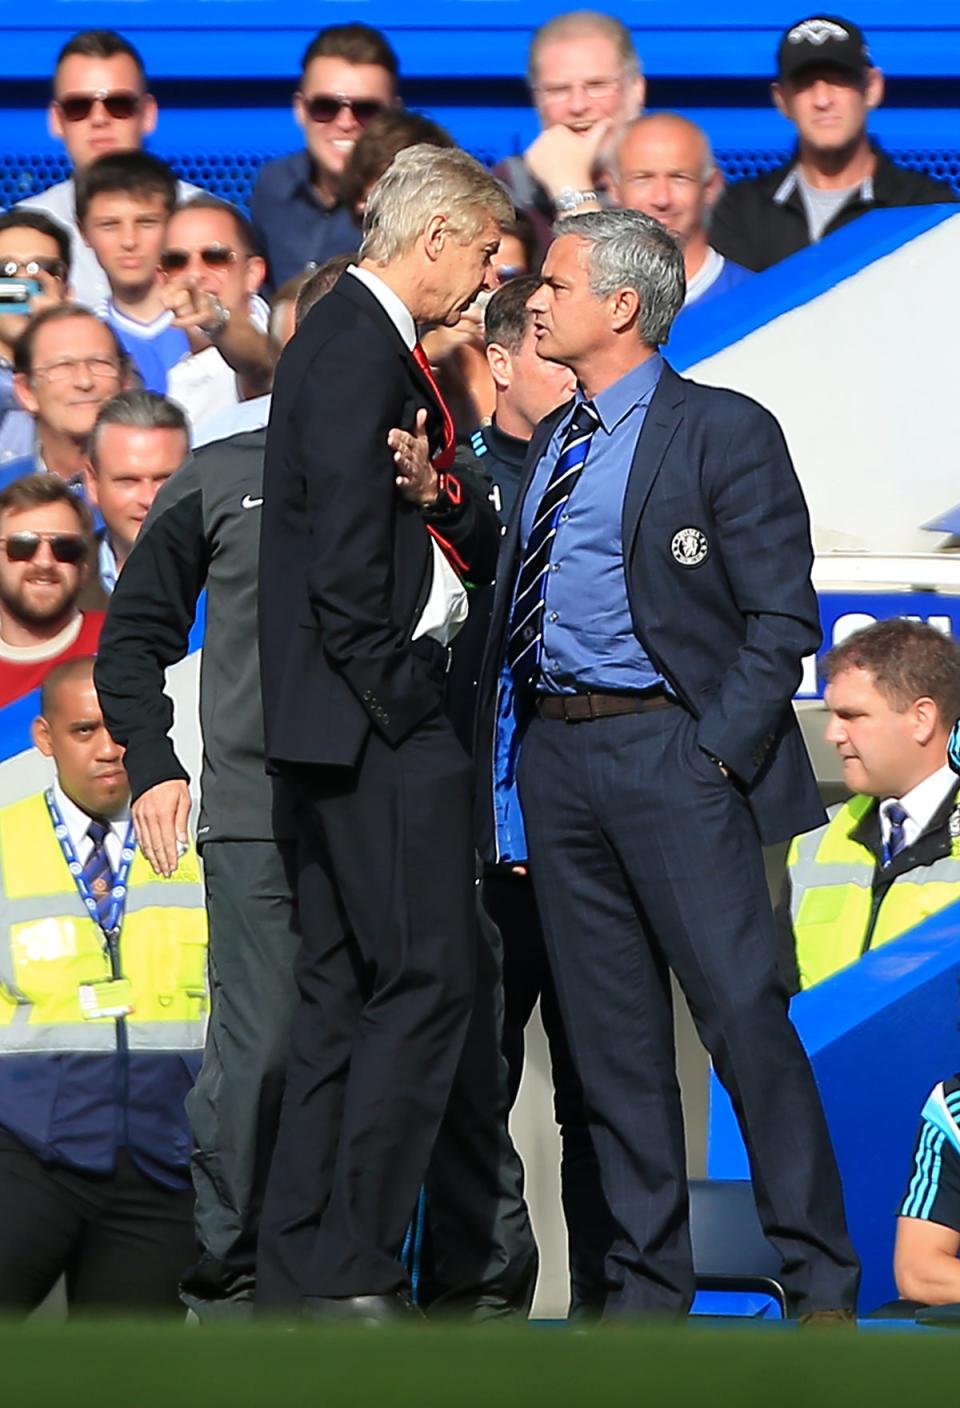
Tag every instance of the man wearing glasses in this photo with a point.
(586, 81)
(67, 363)
(100, 104)
(34, 274)
(46, 547)
(211, 276)
(349, 75)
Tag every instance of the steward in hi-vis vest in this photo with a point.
(103, 1003)
(889, 857)
(844, 901)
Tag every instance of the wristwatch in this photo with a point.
(221, 316)
(568, 201)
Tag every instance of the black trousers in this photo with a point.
(509, 900)
(386, 978)
(234, 1107)
(122, 1241)
(645, 858)
(483, 1258)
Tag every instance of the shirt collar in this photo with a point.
(78, 821)
(391, 303)
(509, 448)
(922, 802)
(633, 389)
(299, 174)
(107, 563)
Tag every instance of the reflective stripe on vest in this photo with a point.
(50, 947)
(831, 900)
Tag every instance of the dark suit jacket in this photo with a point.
(727, 629)
(345, 562)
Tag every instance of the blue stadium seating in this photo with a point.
(223, 72)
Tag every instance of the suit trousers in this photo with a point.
(234, 1107)
(483, 1255)
(644, 858)
(120, 1240)
(386, 976)
(510, 902)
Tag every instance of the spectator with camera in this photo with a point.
(34, 274)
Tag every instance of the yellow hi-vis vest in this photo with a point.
(50, 947)
(832, 894)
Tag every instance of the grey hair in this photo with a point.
(141, 410)
(631, 250)
(423, 181)
(576, 24)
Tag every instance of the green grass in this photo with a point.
(139, 1365)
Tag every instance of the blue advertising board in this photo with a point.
(843, 612)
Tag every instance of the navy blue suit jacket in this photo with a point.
(717, 553)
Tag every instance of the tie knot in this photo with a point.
(896, 814)
(585, 417)
(97, 831)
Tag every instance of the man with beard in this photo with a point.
(45, 551)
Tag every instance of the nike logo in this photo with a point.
(248, 501)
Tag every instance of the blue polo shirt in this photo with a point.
(588, 636)
(294, 228)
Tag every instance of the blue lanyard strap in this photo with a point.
(118, 895)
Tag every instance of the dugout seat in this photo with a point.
(730, 1252)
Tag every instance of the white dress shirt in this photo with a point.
(921, 804)
(77, 823)
(446, 607)
(245, 416)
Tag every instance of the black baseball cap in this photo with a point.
(823, 40)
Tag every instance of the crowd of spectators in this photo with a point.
(143, 316)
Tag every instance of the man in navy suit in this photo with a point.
(652, 610)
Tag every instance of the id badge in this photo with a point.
(109, 997)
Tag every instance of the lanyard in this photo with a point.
(118, 895)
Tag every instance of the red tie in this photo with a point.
(443, 459)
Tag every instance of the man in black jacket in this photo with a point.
(827, 85)
(358, 604)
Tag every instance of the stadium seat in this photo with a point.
(730, 1252)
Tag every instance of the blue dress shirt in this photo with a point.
(588, 636)
(293, 225)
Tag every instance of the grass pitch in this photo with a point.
(128, 1364)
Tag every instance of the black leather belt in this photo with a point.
(578, 708)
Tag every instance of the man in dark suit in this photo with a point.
(652, 609)
(358, 601)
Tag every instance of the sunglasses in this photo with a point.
(324, 107)
(56, 268)
(215, 256)
(77, 107)
(66, 547)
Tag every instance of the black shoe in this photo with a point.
(365, 1310)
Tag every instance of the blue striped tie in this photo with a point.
(895, 842)
(525, 631)
(98, 872)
